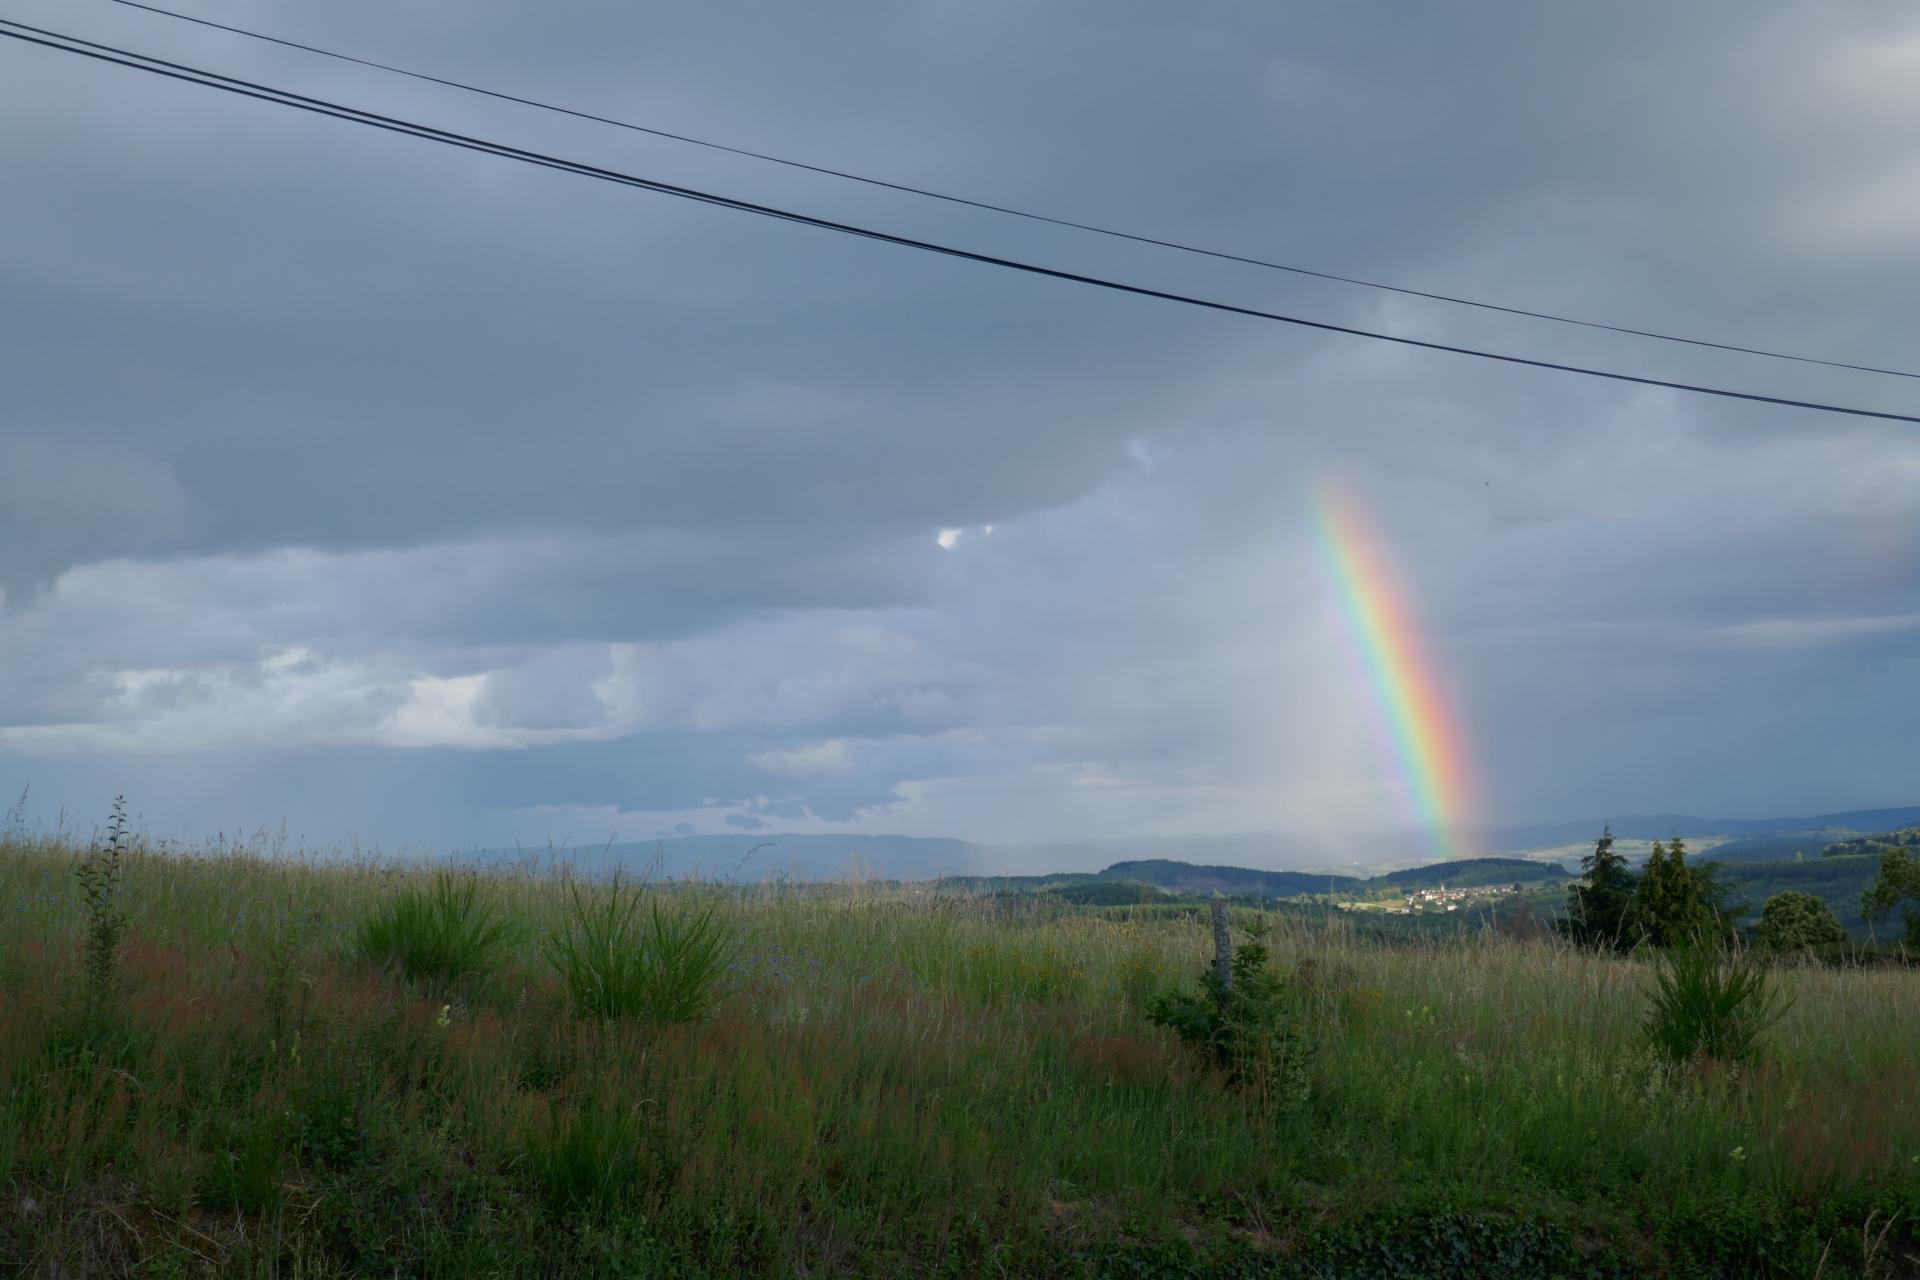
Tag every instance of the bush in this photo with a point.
(1795, 921)
(439, 935)
(627, 956)
(1252, 1029)
(1711, 1003)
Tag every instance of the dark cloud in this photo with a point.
(499, 502)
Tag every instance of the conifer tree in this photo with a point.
(1670, 907)
(1597, 904)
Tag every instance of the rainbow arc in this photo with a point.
(1424, 733)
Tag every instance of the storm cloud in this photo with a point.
(411, 495)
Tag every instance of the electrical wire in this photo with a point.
(1010, 211)
(212, 80)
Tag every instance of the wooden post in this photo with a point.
(1222, 946)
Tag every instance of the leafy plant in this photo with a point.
(1898, 881)
(625, 955)
(438, 935)
(1250, 1027)
(1711, 1003)
(100, 891)
(1795, 921)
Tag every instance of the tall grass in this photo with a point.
(1711, 1003)
(440, 933)
(900, 1082)
(624, 954)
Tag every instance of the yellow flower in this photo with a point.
(446, 1016)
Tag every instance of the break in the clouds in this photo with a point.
(410, 495)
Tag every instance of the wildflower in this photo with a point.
(1738, 1153)
(446, 1016)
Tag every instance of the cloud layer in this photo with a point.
(411, 495)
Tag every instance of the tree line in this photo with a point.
(1671, 902)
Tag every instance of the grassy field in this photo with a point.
(901, 1083)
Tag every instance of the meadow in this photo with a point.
(895, 1081)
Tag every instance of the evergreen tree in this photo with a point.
(1670, 907)
(1597, 903)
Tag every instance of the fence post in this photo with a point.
(1222, 947)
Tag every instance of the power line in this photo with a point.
(392, 124)
(988, 206)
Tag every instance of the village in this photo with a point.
(1441, 898)
(1436, 899)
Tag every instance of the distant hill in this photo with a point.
(734, 857)
(1658, 826)
(1467, 873)
(1232, 864)
(1836, 881)
(1185, 877)
(1874, 845)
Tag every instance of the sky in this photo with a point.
(399, 495)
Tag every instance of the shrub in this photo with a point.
(1795, 921)
(1711, 1003)
(439, 935)
(627, 956)
(1251, 1029)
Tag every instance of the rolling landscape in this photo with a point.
(982, 641)
(238, 1062)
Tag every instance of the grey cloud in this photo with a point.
(556, 499)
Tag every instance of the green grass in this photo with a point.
(623, 953)
(441, 933)
(897, 1082)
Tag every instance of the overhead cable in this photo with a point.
(1158, 242)
(319, 106)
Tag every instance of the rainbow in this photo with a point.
(1426, 736)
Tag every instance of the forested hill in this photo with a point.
(1185, 877)
(1885, 842)
(1467, 873)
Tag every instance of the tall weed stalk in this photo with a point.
(101, 893)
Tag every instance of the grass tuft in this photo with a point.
(1710, 1003)
(622, 954)
(439, 935)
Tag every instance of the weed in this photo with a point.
(1711, 1003)
(16, 824)
(625, 955)
(106, 926)
(439, 935)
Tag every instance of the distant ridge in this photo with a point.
(1186, 877)
(1658, 826)
(1462, 873)
(1238, 863)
